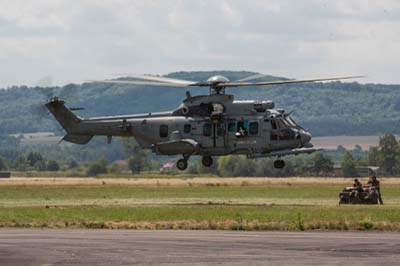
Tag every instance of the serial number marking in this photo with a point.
(246, 142)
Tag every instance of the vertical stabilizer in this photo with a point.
(67, 119)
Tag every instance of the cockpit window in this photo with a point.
(282, 123)
(290, 121)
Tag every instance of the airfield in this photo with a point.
(179, 202)
(183, 220)
(199, 221)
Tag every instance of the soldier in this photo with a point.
(241, 132)
(357, 185)
(374, 182)
(357, 188)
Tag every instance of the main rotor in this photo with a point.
(217, 84)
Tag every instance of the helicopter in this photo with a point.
(203, 125)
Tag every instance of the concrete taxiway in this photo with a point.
(140, 247)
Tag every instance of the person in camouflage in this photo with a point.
(374, 182)
(357, 188)
(357, 185)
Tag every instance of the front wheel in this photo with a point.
(181, 164)
(207, 161)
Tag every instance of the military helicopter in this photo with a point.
(206, 125)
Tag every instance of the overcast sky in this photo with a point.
(72, 41)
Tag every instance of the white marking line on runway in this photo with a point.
(102, 233)
(327, 235)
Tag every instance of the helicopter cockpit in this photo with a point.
(284, 128)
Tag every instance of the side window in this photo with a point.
(246, 124)
(187, 128)
(163, 131)
(253, 128)
(207, 129)
(232, 127)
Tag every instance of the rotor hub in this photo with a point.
(217, 79)
(216, 84)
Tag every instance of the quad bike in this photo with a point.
(350, 195)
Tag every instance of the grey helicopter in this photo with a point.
(203, 125)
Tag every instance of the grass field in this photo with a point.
(199, 203)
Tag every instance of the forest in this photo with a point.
(326, 109)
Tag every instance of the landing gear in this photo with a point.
(207, 161)
(279, 164)
(181, 164)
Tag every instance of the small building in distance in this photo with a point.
(5, 174)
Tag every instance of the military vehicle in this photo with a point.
(350, 196)
(206, 125)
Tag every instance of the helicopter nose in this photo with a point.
(305, 137)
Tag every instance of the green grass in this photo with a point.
(203, 217)
(209, 206)
(81, 172)
(127, 195)
(165, 192)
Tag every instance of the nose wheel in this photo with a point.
(279, 164)
(207, 161)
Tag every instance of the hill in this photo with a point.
(326, 109)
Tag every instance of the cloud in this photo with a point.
(72, 41)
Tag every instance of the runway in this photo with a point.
(139, 247)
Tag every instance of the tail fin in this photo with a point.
(67, 119)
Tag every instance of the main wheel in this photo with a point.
(207, 161)
(279, 164)
(181, 164)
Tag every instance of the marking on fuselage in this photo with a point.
(246, 142)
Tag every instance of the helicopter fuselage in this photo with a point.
(210, 125)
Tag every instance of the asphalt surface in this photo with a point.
(138, 247)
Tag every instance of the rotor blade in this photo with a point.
(137, 82)
(162, 79)
(252, 77)
(279, 82)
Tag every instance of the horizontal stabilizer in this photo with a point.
(283, 153)
(77, 139)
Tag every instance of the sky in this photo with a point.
(55, 42)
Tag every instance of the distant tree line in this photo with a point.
(332, 108)
(386, 156)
